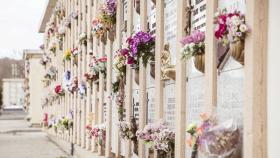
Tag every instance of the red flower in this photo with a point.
(221, 31)
(57, 89)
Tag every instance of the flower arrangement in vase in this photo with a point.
(88, 130)
(51, 27)
(75, 15)
(213, 138)
(194, 46)
(83, 39)
(51, 73)
(67, 22)
(108, 13)
(102, 65)
(140, 46)
(60, 33)
(99, 132)
(64, 123)
(73, 86)
(128, 132)
(67, 55)
(119, 65)
(59, 11)
(44, 60)
(52, 47)
(82, 89)
(59, 90)
(91, 77)
(94, 69)
(231, 29)
(159, 136)
(98, 28)
(75, 53)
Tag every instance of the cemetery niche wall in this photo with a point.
(147, 78)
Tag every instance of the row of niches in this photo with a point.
(158, 134)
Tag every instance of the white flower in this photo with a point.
(236, 20)
(191, 45)
(243, 28)
(61, 30)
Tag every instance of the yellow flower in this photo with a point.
(192, 128)
(67, 54)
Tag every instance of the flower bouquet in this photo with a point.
(128, 132)
(67, 22)
(73, 87)
(60, 33)
(88, 130)
(51, 73)
(194, 46)
(59, 11)
(75, 15)
(215, 139)
(98, 28)
(159, 136)
(94, 69)
(44, 60)
(75, 53)
(231, 29)
(50, 29)
(52, 47)
(82, 89)
(64, 123)
(59, 90)
(102, 65)
(83, 38)
(67, 55)
(91, 77)
(108, 14)
(120, 61)
(141, 46)
(99, 132)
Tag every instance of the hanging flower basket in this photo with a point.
(194, 46)
(141, 47)
(231, 29)
(237, 51)
(199, 62)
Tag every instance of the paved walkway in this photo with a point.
(17, 140)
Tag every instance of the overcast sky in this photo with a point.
(19, 24)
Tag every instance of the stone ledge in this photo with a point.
(78, 151)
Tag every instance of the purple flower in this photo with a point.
(196, 37)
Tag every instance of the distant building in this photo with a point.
(13, 93)
(33, 85)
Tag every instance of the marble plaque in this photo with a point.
(135, 104)
(230, 93)
(169, 104)
(198, 16)
(170, 25)
(151, 105)
(232, 5)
